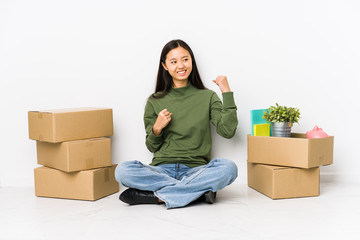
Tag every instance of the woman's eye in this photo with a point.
(185, 59)
(173, 62)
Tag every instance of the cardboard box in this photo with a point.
(75, 155)
(279, 182)
(296, 151)
(70, 124)
(84, 185)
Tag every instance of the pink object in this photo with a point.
(316, 133)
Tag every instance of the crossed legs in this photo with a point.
(175, 184)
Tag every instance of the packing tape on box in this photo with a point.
(40, 115)
(89, 163)
(107, 174)
(41, 138)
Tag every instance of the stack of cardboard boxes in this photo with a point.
(287, 167)
(74, 147)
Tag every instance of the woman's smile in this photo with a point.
(182, 72)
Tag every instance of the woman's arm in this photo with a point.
(153, 126)
(223, 115)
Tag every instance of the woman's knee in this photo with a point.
(123, 169)
(228, 168)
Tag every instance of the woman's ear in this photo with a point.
(164, 66)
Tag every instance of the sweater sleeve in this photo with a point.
(223, 116)
(153, 143)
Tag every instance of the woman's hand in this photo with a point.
(162, 121)
(223, 84)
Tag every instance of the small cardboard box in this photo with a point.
(83, 185)
(70, 124)
(296, 151)
(75, 155)
(279, 182)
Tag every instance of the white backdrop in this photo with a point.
(73, 53)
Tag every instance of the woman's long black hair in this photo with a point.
(164, 79)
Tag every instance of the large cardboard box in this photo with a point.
(70, 124)
(296, 151)
(84, 185)
(75, 155)
(279, 182)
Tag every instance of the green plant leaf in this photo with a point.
(279, 113)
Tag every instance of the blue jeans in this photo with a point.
(177, 184)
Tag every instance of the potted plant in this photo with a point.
(282, 119)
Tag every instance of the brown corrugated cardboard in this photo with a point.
(279, 182)
(296, 151)
(70, 124)
(75, 155)
(83, 185)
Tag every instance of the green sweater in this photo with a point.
(187, 138)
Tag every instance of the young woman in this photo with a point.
(177, 121)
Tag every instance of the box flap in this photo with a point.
(65, 110)
(274, 167)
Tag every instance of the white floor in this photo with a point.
(247, 214)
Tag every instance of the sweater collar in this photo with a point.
(182, 90)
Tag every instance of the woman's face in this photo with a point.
(178, 63)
